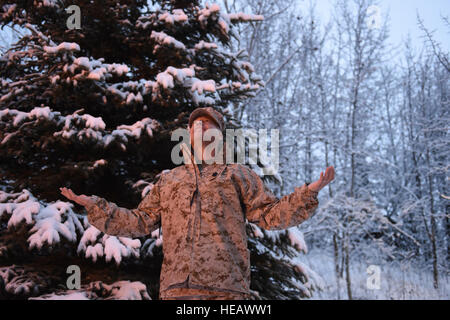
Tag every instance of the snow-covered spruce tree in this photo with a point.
(92, 109)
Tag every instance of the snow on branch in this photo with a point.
(165, 40)
(133, 91)
(50, 221)
(95, 69)
(203, 45)
(62, 66)
(94, 245)
(244, 17)
(150, 244)
(63, 46)
(146, 186)
(48, 3)
(212, 13)
(27, 282)
(313, 280)
(22, 281)
(257, 233)
(172, 17)
(79, 127)
(90, 128)
(166, 78)
(176, 15)
(209, 11)
(200, 86)
(22, 207)
(119, 290)
(297, 240)
(185, 77)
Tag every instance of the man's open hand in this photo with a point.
(81, 199)
(323, 180)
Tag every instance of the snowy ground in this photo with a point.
(396, 282)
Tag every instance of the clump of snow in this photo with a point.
(86, 63)
(256, 231)
(114, 248)
(202, 45)
(95, 69)
(88, 244)
(208, 11)
(201, 99)
(185, 77)
(50, 225)
(126, 290)
(224, 27)
(49, 3)
(135, 90)
(99, 163)
(165, 40)
(36, 113)
(166, 78)
(95, 123)
(132, 98)
(150, 244)
(314, 282)
(147, 187)
(23, 207)
(118, 247)
(177, 15)
(244, 17)
(203, 85)
(297, 240)
(121, 134)
(54, 79)
(64, 46)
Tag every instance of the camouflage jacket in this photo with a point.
(203, 219)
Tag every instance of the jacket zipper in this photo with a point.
(189, 154)
(194, 195)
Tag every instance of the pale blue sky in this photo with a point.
(403, 18)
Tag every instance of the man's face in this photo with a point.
(199, 126)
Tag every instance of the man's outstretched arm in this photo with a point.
(263, 208)
(117, 221)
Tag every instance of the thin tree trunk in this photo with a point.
(433, 229)
(336, 265)
(347, 270)
(341, 271)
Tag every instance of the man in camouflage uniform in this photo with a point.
(202, 209)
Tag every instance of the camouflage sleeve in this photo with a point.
(267, 211)
(117, 221)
